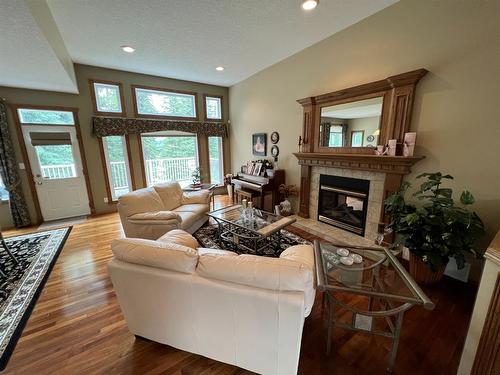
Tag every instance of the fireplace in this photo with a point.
(343, 202)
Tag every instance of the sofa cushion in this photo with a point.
(193, 197)
(142, 200)
(168, 256)
(197, 208)
(170, 193)
(207, 251)
(257, 271)
(188, 218)
(179, 237)
(155, 215)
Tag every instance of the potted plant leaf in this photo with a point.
(435, 230)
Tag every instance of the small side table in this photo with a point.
(384, 284)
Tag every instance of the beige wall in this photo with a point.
(83, 102)
(456, 108)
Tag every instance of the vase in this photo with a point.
(286, 208)
(422, 273)
(230, 191)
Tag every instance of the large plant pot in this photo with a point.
(422, 273)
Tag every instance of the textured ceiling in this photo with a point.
(184, 39)
(27, 59)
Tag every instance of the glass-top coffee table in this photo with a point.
(384, 291)
(256, 233)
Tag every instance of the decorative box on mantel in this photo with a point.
(334, 142)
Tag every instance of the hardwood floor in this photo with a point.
(77, 326)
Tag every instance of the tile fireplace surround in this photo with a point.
(375, 198)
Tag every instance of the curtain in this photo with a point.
(9, 173)
(106, 126)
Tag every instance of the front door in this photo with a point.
(56, 164)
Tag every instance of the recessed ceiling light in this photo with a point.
(309, 4)
(219, 68)
(128, 49)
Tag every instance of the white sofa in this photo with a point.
(243, 310)
(151, 212)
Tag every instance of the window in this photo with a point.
(56, 161)
(215, 160)
(336, 136)
(117, 166)
(4, 194)
(357, 138)
(107, 97)
(165, 103)
(168, 157)
(45, 116)
(213, 107)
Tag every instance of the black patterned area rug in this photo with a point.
(22, 283)
(208, 237)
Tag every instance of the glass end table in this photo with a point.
(383, 288)
(253, 232)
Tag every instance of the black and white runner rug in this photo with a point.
(21, 284)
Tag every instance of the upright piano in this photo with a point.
(262, 185)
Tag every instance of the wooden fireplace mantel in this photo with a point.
(385, 164)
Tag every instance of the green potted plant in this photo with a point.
(435, 230)
(196, 177)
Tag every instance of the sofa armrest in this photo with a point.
(303, 254)
(201, 196)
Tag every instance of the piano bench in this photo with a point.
(241, 194)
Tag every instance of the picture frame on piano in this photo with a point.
(257, 169)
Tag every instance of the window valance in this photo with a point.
(107, 126)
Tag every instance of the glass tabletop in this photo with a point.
(260, 223)
(367, 271)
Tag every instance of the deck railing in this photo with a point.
(162, 170)
(58, 171)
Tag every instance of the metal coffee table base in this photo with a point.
(362, 321)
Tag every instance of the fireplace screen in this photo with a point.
(343, 202)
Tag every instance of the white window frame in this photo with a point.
(167, 133)
(221, 161)
(116, 85)
(192, 95)
(107, 162)
(219, 98)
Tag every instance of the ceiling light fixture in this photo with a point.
(309, 4)
(219, 68)
(128, 49)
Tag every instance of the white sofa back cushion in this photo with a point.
(168, 256)
(170, 193)
(138, 201)
(257, 271)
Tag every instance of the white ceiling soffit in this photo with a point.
(33, 54)
(360, 109)
(188, 39)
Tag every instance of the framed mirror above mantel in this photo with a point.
(357, 119)
(341, 130)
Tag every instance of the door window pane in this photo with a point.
(336, 137)
(164, 103)
(107, 97)
(56, 161)
(45, 116)
(216, 160)
(117, 165)
(4, 194)
(168, 158)
(213, 107)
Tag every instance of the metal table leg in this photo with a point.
(395, 342)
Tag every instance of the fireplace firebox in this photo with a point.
(343, 202)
